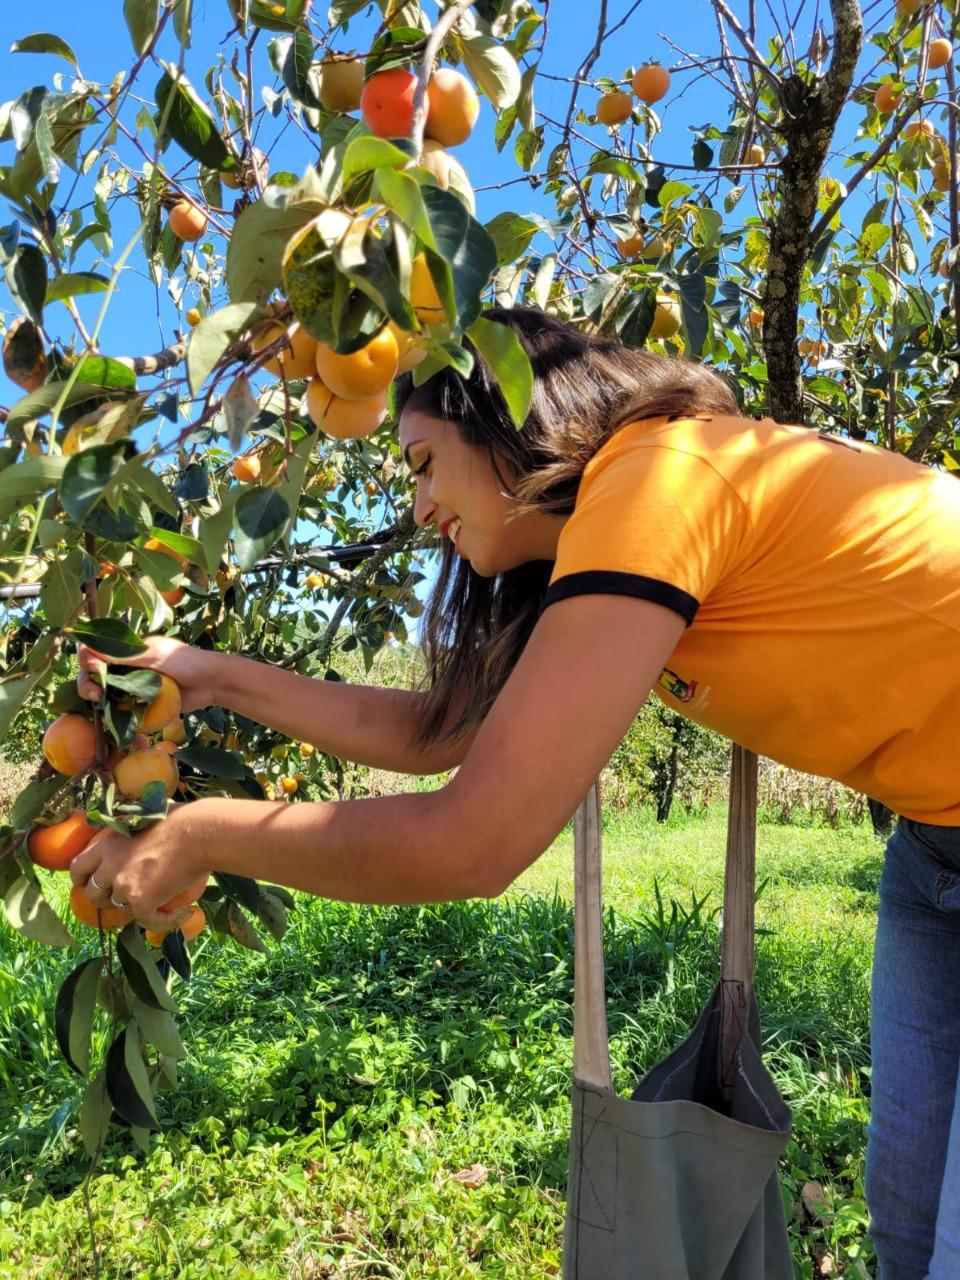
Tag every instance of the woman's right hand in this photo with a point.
(190, 667)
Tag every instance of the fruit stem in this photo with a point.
(436, 38)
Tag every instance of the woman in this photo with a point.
(797, 592)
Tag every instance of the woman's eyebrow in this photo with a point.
(406, 452)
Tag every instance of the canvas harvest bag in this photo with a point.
(678, 1181)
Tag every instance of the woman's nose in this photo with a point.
(423, 508)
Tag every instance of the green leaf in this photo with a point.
(110, 636)
(603, 162)
(368, 152)
(182, 16)
(671, 192)
(511, 234)
(215, 529)
(102, 371)
(37, 404)
(260, 517)
(213, 761)
(13, 694)
(30, 914)
(158, 1028)
(278, 15)
(141, 972)
(257, 244)
(466, 246)
(215, 333)
(71, 284)
(128, 1084)
(187, 546)
(141, 19)
(86, 478)
(31, 801)
(294, 57)
(73, 1013)
(95, 1116)
(873, 238)
(31, 477)
(61, 589)
(190, 123)
(400, 192)
(509, 364)
(144, 685)
(26, 277)
(493, 68)
(45, 42)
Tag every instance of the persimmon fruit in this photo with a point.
(424, 297)
(341, 82)
(409, 351)
(363, 373)
(246, 468)
(137, 770)
(163, 709)
(187, 221)
(194, 925)
(345, 419)
(630, 246)
(70, 744)
(651, 83)
(886, 98)
(109, 918)
(386, 103)
(435, 160)
(296, 360)
(666, 317)
(56, 846)
(614, 108)
(939, 53)
(452, 107)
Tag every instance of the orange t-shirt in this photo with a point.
(820, 581)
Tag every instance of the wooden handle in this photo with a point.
(738, 910)
(591, 1050)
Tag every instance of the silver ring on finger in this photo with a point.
(118, 904)
(97, 885)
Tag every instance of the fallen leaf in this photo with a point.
(472, 1177)
(815, 1200)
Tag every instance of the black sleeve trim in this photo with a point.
(607, 582)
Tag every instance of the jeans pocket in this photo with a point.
(934, 869)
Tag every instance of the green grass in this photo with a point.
(334, 1085)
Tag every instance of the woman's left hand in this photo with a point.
(148, 869)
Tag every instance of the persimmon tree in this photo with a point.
(241, 487)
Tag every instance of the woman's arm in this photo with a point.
(361, 723)
(584, 675)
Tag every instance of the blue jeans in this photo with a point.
(913, 1153)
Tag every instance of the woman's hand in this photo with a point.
(193, 669)
(146, 870)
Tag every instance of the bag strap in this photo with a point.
(591, 1050)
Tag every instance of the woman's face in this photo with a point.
(459, 493)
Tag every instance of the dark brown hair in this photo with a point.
(586, 387)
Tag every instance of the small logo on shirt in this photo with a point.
(681, 689)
